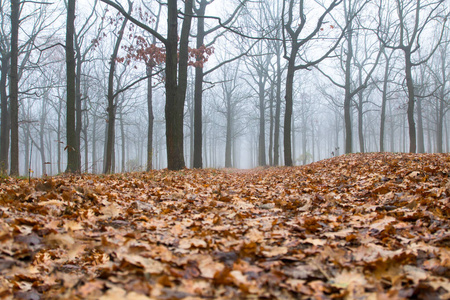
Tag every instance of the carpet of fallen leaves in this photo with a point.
(359, 226)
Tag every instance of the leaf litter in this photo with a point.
(359, 226)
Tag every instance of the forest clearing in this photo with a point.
(357, 226)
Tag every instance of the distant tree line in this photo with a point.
(136, 85)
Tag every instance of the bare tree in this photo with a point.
(349, 58)
(295, 38)
(176, 75)
(439, 70)
(5, 48)
(202, 33)
(73, 158)
(112, 107)
(14, 87)
(83, 47)
(413, 19)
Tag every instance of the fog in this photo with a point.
(278, 83)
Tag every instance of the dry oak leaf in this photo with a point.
(349, 278)
(150, 265)
(275, 251)
(208, 267)
(117, 293)
(188, 243)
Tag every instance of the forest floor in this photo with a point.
(359, 226)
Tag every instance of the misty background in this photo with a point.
(351, 91)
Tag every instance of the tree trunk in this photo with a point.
(304, 141)
(383, 103)
(420, 133)
(411, 100)
(14, 88)
(123, 138)
(361, 123)
(176, 91)
(262, 122)
(42, 134)
(271, 100)
(348, 93)
(111, 110)
(440, 121)
(198, 93)
(228, 139)
(58, 137)
(94, 145)
(150, 119)
(276, 135)
(78, 124)
(5, 123)
(73, 162)
(288, 112)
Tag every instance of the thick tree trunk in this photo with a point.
(176, 91)
(5, 123)
(198, 93)
(73, 162)
(14, 88)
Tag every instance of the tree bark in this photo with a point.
(14, 88)
(348, 93)
(288, 112)
(176, 91)
(5, 122)
(78, 123)
(411, 101)
(73, 162)
(198, 93)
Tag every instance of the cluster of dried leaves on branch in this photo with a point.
(360, 226)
